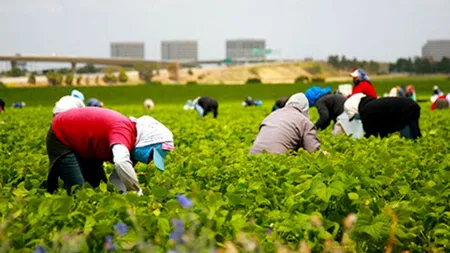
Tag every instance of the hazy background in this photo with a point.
(382, 30)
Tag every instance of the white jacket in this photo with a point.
(66, 103)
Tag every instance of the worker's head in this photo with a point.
(314, 93)
(299, 101)
(153, 141)
(93, 102)
(77, 94)
(351, 106)
(358, 75)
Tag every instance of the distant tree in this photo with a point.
(69, 79)
(54, 79)
(301, 79)
(32, 78)
(443, 66)
(254, 81)
(88, 69)
(174, 69)
(109, 78)
(190, 72)
(146, 71)
(16, 72)
(123, 77)
(79, 78)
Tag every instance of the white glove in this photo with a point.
(139, 193)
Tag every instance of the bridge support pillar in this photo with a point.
(13, 64)
(74, 67)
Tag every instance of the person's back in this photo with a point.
(208, 104)
(330, 106)
(285, 129)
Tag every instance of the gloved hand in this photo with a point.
(140, 193)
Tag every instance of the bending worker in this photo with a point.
(280, 103)
(331, 108)
(81, 139)
(75, 100)
(384, 116)
(287, 129)
(205, 105)
(362, 84)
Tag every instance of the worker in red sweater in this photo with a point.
(362, 84)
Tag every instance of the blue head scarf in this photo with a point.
(314, 93)
(362, 76)
(77, 94)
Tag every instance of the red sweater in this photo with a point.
(433, 105)
(366, 88)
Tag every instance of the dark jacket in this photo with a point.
(209, 105)
(2, 105)
(280, 103)
(330, 106)
(383, 116)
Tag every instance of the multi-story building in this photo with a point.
(436, 49)
(179, 50)
(128, 50)
(246, 49)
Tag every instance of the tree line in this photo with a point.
(420, 65)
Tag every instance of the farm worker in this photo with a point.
(362, 84)
(81, 139)
(19, 105)
(205, 105)
(331, 108)
(280, 103)
(2, 105)
(75, 100)
(93, 102)
(250, 102)
(441, 102)
(383, 116)
(149, 104)
(437, 91)
(411, 92)
(287, 129)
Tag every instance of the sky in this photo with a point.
(381, 30)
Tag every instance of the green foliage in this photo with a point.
(301, 79)
(145, 71)
(16, 72)
(32, 78)
(318, 79)
(69, 79)
(190, 72)
(421, 65)
(123, 77)
(299, 198)
(109, 78)
(88, 69)
(191, 83)
(253, 81)
(54, 79)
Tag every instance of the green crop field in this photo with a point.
(368, 195)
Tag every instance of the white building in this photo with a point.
(179, 50)
(244, 49)
(128, 50)
(436, 49)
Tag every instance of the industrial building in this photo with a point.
(244, 49)
(133, 50)
(179, 50)
(436, 49)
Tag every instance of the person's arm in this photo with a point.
(310, 141)
(124, 168)
(324, 115)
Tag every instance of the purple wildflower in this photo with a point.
(109, 245)
(184, 201)
(178, 230)
(121, 228)
(39, 249)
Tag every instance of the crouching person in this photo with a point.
(287, 129)
(205, 105)
(81, 139)
(384, 116)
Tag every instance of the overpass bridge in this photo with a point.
(125, 62)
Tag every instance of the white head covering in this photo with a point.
(66, 103)
(448, 97)
(300, 101)
(150, 131)
(352, 104)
